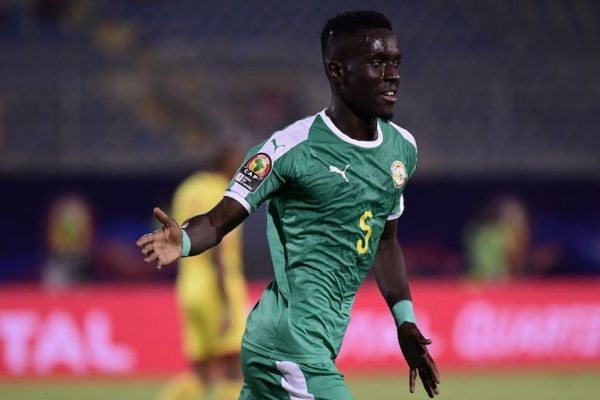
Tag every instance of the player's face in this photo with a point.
(372, 73)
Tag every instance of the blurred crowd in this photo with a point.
(106, 105)
(502, 240)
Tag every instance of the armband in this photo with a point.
(186, 243)
(403, 312)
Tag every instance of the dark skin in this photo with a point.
(390, 272)
(362, 69)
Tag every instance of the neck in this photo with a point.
(352, 124)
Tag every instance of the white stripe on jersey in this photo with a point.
(405, 134)
(399, 213)
(286, 139)
(293, 380)
(276, 146)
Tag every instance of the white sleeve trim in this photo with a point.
(399, 213)
(237, 197)
(394, 216)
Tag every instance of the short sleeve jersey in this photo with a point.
(329, 197)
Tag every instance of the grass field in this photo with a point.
(513, 386)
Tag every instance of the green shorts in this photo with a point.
(268, 379)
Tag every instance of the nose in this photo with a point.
(391, 73)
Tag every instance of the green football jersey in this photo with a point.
(329, 197)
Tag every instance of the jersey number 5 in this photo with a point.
(362, 245)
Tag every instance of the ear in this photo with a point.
(335, 71)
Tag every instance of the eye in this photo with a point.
(375, 63)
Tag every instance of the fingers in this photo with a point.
(152, 257)
(433, 368)
(429, 363)
(148, 248)
(428, 382)
(429, 376)
(162, 216)
(412, 376)
(144, 240)
(422, 340)
(146, 243)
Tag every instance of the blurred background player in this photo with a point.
(499, 243)
(69, 237)
(211, 293)
(498, 240)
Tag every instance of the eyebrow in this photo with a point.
(384, 54)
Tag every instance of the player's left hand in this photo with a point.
(414, 349)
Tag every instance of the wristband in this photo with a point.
(403, 312)
(186, 243)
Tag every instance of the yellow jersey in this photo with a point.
(196, 277)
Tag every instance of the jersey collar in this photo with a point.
(367, 144)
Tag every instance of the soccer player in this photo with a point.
(211, 292)
(334, 184)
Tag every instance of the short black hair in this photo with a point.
(351, 22)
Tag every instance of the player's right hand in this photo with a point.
(163, 246)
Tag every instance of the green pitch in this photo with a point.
(497, 386)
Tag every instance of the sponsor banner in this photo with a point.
(525, 324)
(91, 331)
(136, 330)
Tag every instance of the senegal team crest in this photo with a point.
(398, 174)
(254, 171)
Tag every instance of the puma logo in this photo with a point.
(275, 145)
(336, 170)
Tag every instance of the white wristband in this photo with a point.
(186, 243)
(403, 312)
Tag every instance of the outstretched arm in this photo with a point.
(390, 272)
(164, 245)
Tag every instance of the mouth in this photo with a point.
(389, 96)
